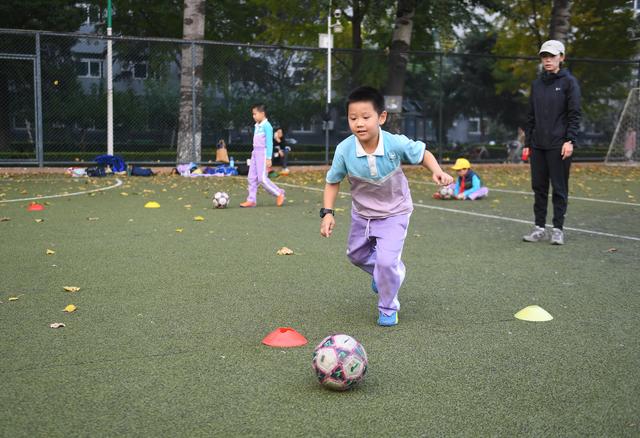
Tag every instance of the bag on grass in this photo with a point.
(116, 162)
(97, 171)
(141, 171)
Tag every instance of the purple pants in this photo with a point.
(375, 246)
(258, 175)
(480, 193)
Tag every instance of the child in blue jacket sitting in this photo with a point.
(468, 184)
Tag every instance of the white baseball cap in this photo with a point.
(554, 47)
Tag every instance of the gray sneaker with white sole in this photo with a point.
(557, 236)
(536, 235)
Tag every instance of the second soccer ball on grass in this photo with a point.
(220, 200)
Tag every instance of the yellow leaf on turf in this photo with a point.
(39, 221)
(179, 230)
(284, 251)
(71, 288)
(13, 298)
(124, 193)
(70, 308)
(198, 218)
(50, 252)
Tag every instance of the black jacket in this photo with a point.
(554, 111)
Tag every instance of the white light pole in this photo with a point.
(338, 28)
(109, 84)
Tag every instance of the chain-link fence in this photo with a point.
(53, 98)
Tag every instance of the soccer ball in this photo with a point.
(220, 200)
(446, 192)
(339, 362)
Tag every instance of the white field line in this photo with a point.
(607, 201)
(62, 195)
(488, 216)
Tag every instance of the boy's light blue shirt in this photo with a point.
(263, 137)
(351, 159)
(379, 188)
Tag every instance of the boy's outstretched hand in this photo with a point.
(442, 178)
(327, 225)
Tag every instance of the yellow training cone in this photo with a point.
(152, 204)
(533, 313)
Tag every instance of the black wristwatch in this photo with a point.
(326, 211)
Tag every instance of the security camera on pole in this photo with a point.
(326, 40)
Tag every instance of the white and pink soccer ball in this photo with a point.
(220, 200)
(446, 192)
(339, 362)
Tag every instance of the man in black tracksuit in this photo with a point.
(551, 133)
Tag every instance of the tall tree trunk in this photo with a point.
(560, 16)
(190, 147)
(356, 40)
(399, 57)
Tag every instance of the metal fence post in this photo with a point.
(38, 104)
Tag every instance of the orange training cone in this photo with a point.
(34, 206)
(284, 337)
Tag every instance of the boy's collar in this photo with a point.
(360, 152)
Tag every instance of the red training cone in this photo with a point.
(284, 337)
(34, 206)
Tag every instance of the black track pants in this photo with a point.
(548, 165)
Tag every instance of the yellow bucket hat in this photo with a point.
(461, 163)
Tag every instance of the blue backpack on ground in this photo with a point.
(141, 171)
(116, 162)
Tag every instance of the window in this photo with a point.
(474, 125)
(140, 70)
(135, 70)
(89, 68)
(302, 127)
(20, 123)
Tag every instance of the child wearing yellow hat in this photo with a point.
(468, 184)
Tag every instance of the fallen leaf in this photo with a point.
(71, 288)
(187, 206)
(56, 325)
(13, 298)
(179, 230)
(612, 249)
(38, 221)
(284, 251)
(50, 252)
(93, 218)
(124, 193)
(198, 218)
(4, 219)
(70, 308)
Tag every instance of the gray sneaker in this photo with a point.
(557, 236)
(536, 235)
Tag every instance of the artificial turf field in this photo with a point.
(166, 340)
